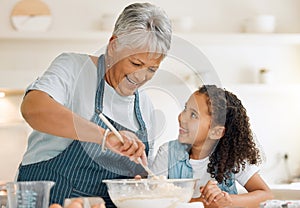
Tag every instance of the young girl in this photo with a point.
(216, 145)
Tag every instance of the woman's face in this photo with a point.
(194, 120)
(133, 71)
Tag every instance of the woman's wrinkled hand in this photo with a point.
(132, 146)
(214, 196)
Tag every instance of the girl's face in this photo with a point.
(194, 120)
(128, 74)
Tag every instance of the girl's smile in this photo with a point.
(194, 120)
(183, 131)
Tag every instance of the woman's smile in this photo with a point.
(131, 72)
(131, 81)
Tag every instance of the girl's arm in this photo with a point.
(258, 191)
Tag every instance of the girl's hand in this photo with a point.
(223, 200)
(132, 146)
(213, 195)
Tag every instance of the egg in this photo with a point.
(55, 206)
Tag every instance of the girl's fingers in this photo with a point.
(209, 185)
(210, 191)
(219, 196)
(212, 194)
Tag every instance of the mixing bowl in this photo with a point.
(149, 193)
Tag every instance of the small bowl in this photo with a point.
(261, 24)
(149, 193)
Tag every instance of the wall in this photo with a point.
(211, 16)
(13, 136)
(236, 64)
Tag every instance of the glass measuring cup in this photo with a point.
(28, 194)
(3, 196)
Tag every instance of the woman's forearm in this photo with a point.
(44, 114)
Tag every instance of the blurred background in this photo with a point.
(254, 48)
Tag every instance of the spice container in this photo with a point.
(265, 76)
(260, 24)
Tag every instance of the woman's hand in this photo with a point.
(132, 146)
(214, 196)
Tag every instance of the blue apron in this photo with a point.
(81, 167)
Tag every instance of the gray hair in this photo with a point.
(144, 26)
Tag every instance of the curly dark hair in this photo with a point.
(237, 146)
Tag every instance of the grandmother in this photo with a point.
(69, 140)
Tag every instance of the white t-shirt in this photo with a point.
(159, 166)
(200, 171)
(71, 80)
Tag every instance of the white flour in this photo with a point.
(147, 193)
(146, 203)
(158, 195)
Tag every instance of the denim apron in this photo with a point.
(180, 167)
(81, 167)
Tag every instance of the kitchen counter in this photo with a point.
(286, 191)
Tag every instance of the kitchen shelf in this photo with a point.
(193, 37)
(242, 38)
(4, 92)
(265, 88)
(13, 123)
(92, 36)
